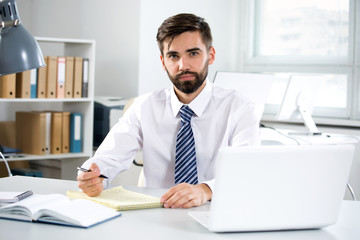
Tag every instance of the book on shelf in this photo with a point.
(58, 209)
(78, 75)
(41, 80)
(31, 132)
(48, 132)
(62, 77)
(120, 199)
(60, 81)
(65, 135)
(51, 76)
(69, 77)
(56, 132)
(8, 86)
(75, 132)
(23, 84)
(9, 151)
(33, 83)
(85, 78)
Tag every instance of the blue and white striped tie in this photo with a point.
(185, 155)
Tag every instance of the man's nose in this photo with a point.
(184, 64)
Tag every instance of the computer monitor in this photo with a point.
(298, 101)
(254, 86)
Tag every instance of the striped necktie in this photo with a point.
(185, 156)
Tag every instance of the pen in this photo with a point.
(24, 195)
(88, 170)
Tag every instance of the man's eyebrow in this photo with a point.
(193, 49)
(171, 53)
(188, 50)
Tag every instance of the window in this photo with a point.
(302, 28)
(316, 38)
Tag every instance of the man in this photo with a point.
(179, 129)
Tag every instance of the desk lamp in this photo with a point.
(19, 51)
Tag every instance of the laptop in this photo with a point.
(266, 188)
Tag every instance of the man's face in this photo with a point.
(186, 61)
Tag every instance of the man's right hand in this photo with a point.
(90, 182)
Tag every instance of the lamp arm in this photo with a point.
(6, 164)
(14, 23)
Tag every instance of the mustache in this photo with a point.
(186, 72)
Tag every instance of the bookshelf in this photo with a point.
(8, 107)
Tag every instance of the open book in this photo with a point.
(119, 198)
(58, 209)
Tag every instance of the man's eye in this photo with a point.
(173, 56)
(194, 53)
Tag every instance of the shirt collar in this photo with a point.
(197, 105)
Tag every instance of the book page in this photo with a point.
(120, 199)
(78, 212)
(26, 208)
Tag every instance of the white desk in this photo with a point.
(272, 137)
(155, 223)
(284, 137)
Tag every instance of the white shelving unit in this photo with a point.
(8, 107)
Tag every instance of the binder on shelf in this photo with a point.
(7, 133)
(78, 73)
(69, 77)
(8, 86)
(85, 79)
(56, 131)
(48, 132)
(60, 81)
(65, 138)
(51, 77)
(75, 132)
(31, 132)
(23, 84)
(33, 83)
(41, 80)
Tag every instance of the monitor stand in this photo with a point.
(306, 116)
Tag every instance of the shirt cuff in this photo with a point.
(210, 184)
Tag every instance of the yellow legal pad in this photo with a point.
(120, 198)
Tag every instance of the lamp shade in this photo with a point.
(19, 51)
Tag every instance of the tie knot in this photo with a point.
(186, 113)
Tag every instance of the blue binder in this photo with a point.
(76, 132)
(33, 83)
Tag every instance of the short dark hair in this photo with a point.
(180, 23)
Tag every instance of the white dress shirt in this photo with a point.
(151, 124)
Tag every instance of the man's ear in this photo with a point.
(211, 55)
(162, 61)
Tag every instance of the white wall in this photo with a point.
(114, 24)
(127, 56)
(222, 17)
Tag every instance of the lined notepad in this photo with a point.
(120, 198)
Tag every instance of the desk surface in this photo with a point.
(155, 223)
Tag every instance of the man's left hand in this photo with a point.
(186, 195)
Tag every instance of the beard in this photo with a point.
(191, 85)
